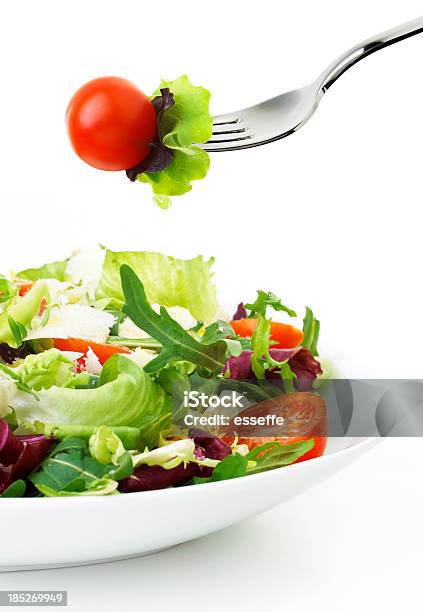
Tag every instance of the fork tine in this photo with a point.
(230, 128)
(228, 119)
(228, 137)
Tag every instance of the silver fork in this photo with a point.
(285, 114)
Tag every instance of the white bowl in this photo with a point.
(49, 532)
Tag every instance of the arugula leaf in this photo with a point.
(104, 486)
(311, 329)
(178, 344)
(70, 469)
(267, 299)
(232, 466)
(220, 330)
(123, 469)
(16, 489)
(277, 455)
(18, 331)
(261, 359)
(146, 343)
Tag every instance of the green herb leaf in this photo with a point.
(266, 299)
(311, 329)
(16, 489)
(277, 455)
(70, 468)
(232, 466)
(261, 360)
(178, 344)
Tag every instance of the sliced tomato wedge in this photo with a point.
(304, 418)
(102, 351)
(286, 336)
(23, 286)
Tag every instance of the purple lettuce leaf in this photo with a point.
(240, 313)
(19, 455)
(163, 102)
(157, 160)
(210, 446)
(300, 360)
(213, 446)
(160, 156)
(154, 477)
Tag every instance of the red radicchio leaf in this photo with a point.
(240, 313)
(210, 446)
(214, 447)
(300, 360)
(160, 156)
(19, 455)
(153, 477)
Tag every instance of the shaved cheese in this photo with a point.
(92, 363)
(74, 321)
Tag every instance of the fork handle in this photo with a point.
(367, 47)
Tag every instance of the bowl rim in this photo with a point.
(361, 444)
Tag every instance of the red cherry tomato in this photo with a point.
(111, 123)
(286, 336)
(305, 418)
(102, 351)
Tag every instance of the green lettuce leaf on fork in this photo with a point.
(182, 125)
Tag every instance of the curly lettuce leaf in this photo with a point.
(125, 396)
(188, 121)
(167, 281)
(44, 370)
(105, 446)
(189, 164)
(183, 124)
(54, 269)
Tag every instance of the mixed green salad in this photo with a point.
(97, 353)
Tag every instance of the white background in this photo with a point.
(329, 217)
